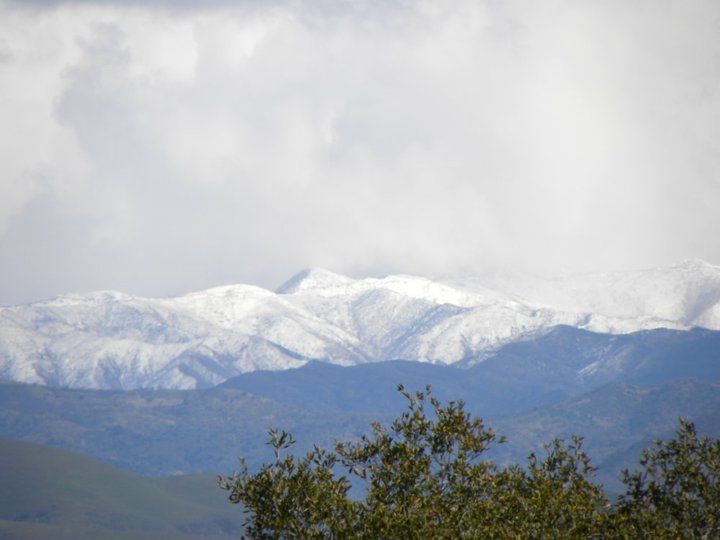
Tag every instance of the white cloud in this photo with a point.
(160, 150)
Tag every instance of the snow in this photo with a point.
(687, 292)
(313, 279)
(109, 339)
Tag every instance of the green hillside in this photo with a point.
(52, 493)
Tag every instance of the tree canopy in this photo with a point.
(426, 475)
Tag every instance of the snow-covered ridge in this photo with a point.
(109, 339)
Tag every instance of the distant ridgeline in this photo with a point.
(111, 340)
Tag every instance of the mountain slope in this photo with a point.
(566, 356)
(166, 432)
(111, 340)
(687, 293)
(161, 432)
(52, 493)
(616, 420)
(558, 364)
(180, 431)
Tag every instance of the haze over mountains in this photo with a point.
(111, 340)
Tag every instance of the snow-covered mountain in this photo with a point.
(113, 340)
(687, 293)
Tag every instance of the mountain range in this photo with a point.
(531, 391)
(619, 391)
(112, 340)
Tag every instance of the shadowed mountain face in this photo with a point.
(48, 493)
(564, 362)
(638, 385)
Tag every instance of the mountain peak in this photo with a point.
(313, 278)
(96, 297)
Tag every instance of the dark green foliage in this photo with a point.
(292, 497)
(678, 490)
(427, 476)
(419, 470)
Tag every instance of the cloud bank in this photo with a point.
(173, 147)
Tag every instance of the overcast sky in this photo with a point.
(163, 147)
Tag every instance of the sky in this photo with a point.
(161, 147)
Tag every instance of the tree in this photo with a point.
(677, 493)
(426, 475)
(293, 498)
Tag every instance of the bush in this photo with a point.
(426, 476)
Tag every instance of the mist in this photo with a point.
(158, 148)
